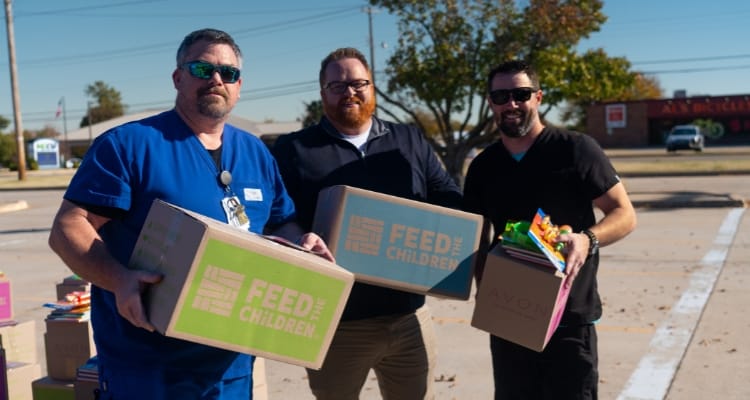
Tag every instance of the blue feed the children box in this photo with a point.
(399, 243)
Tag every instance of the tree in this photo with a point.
(313, 113)
(108, 104)
(447, 47)
(7, 149)
(4, 122)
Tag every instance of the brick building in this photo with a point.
(646, 122)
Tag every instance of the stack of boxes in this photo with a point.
(68, 341)
(19, 353)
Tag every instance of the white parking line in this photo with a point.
(656, 370)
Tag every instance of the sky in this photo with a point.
(62, 47)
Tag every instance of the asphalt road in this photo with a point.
(675, 291)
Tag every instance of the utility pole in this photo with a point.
(370, 11)
(68, 153)
(88, 117)
(21, 151)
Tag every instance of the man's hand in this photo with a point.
(576, 250)
(128, 296)
(316, 244)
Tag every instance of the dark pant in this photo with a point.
(566, 369)
(155, 384)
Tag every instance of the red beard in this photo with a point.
(352, 118)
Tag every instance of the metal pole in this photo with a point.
(369, 11)
(88, 117)
(372, 46)
(16, 97)
(68, 154)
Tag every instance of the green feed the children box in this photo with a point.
(239, 291)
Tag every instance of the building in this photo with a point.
(75, 143)
(646, 122)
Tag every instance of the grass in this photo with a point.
(625, 165)
(675, 166)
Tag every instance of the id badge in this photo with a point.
(235, 212)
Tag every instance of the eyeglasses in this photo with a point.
(502, 96)
(339, 87)
(206, 70)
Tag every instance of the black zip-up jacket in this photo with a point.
(397, 160)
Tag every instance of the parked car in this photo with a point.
(73, 162)
(688, 137)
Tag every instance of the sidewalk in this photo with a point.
(644, 191)
(644, 276)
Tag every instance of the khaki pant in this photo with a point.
(401, 350)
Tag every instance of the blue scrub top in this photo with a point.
(160, 158)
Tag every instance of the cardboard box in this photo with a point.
(71, 284)
(85, 390)
(20, 376)
(519, 301)
(398, 243)
(228, 288)
(68, 345)
(46, 388)
(87, 380)
(19, 341)
(6, 306)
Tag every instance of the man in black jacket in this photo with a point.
(383, 329)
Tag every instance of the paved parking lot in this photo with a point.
(674, 291)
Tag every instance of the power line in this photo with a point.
(161, 47)
(693, 70)
(681, 60)
(84, 8)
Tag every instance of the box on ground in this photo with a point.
(19, 341)
(68, 345)
(399, 243)
(519, 301)
(228, 288)
(6, 306)
(87, 380)
(46, 388)
(71, 284)
(20, 376)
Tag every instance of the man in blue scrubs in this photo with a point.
(189, 157)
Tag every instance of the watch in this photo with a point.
(593, 241)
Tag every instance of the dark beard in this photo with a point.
(211, 107)
(515, 130)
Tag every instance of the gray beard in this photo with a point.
(212, 109)
(516, 130)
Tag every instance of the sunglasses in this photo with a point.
(339, 87)
(502, 96)
(206, 70)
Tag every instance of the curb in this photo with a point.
(703, 204)
(17, 206)
(728, 201)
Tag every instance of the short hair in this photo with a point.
(212, 36)
(514, 67)
(340, 54)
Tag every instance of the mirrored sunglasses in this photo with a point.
(206, 70)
